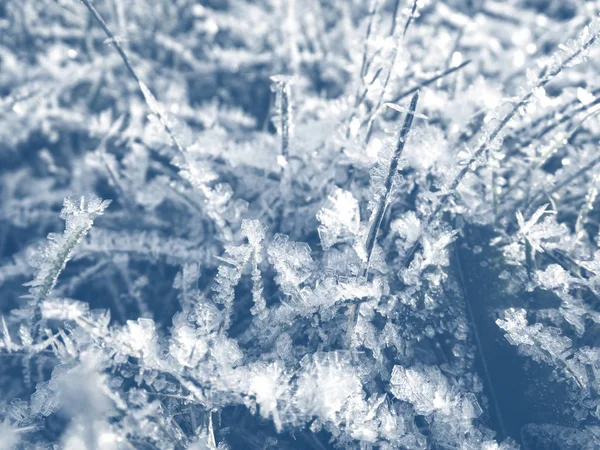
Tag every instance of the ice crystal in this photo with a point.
(340, 218)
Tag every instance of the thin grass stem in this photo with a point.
(380, 208)
(148, 96)
(430, 80)
(410, 17)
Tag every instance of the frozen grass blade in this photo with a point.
(395, 17)
(148, 96)
(410, 17)
(112, 37)
(212, 442)
(385, 200)
(285, 119)
(559, 118)
(381, 207)
(387, 78)
(372, 14)
(365, 65)
(52, 260)
(587, 207)
(431, 80)
(568, 180)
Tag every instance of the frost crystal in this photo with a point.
(186, 345)
(138, 339)
(340, 218)
(255, 233)
(292, 260)
(327, 387)
(432, 395)
(267, 383)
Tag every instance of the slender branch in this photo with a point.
(394, 17)
(112, 37)
(387, 78)
(285, 119)
(558, 118)
(587, 207)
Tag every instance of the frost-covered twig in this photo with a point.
(535, 200)
(112, 37)
(586, 208)
(556, 119)
(255, 233)
(364, 68)
(550, 150)
(285, 119)
(389, 73)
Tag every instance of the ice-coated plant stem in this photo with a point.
(212, 442)
(285, 118)
(364, 67)
(388, 76)
(111, 36)
(381, 206)
(384, 201)
(372, 14)
(559, 143)
(410, 17)
(79, 219)
(587, 207)
(430, 80)
(148, 96)
(558, 118)
(535, 200)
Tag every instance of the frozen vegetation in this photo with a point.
(299, 224)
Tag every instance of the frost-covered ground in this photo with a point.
(299, 224)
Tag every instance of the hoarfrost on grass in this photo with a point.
(326, 217)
